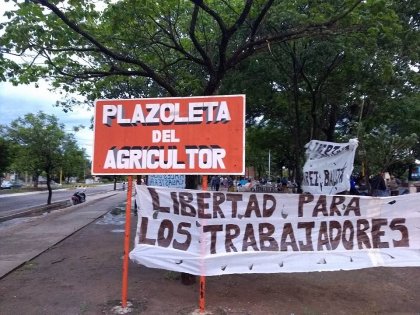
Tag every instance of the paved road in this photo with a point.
(30, 237)
(10, 203)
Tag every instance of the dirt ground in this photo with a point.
(82, 275)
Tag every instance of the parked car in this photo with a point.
(7, 184)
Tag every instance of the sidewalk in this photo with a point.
(22, 242)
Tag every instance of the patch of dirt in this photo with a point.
(82, 275)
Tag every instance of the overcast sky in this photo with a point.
(16, 101)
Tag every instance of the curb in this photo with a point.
(47, 208)
(37, 209)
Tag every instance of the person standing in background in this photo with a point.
(394, 185)
(215, 182)
(378, 185)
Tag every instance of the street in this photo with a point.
(15, 202)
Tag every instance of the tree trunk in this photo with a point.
(35, 180)
(314, 115)
(49, 188)
(332, 121)
(297, 126)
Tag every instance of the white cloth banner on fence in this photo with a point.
(214, 233)
(328, 167)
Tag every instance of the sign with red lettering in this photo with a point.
(219, 232)
(188, 135)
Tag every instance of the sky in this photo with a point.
(16, 101)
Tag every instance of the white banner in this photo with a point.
(328, 167)
(214, 233)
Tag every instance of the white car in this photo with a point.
(7, 184)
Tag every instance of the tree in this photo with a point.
(181, 48)
(40, 139)
(314, 88)
(175, 47)
(74, 159)
(383, 150)
(6, 155)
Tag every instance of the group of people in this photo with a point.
(217, 182)
(228, 183)
(379, 186)
(382, 188)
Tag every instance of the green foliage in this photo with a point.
(320, 88)
(179, 47)
(6, 155)
(42, 147)
(309, 69)
(39, 138)
(384, 149)
(74, 161)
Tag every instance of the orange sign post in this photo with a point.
(202, 298)
(126, 242)
(191, 135)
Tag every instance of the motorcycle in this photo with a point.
(78, 197)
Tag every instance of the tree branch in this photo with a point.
(334, 64)
(319, 30)
(260, 17)
(212, 13)
(241, 19)
(197, 45)
(176, 46)
(314, 29)
(227, 34)
(344, 14)
(69, 49)
(149, 71)
(94, 74)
